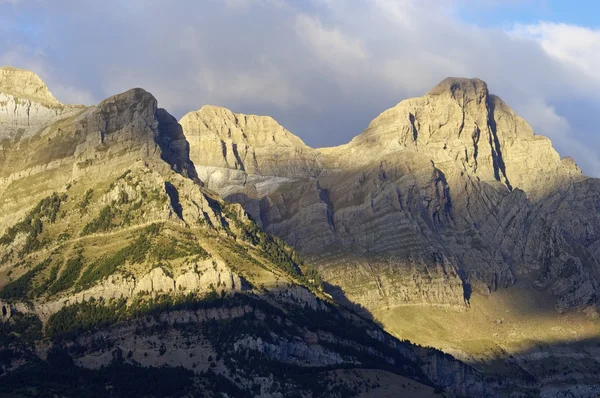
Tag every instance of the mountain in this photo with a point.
(26, 104)
(233, 147)
(123, 274)
(448, 220)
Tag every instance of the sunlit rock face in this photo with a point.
(440, 195)
(26, 104)
(234, 147)
(113, 256)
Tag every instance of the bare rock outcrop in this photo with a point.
(26, 104)
(232, 146)
(440, 195)
(460, 124)
(131, 125)
(25, 84)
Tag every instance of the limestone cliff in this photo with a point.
(26, 104)
(459, 124)
(445, 202)
(115, 260)
(440, 195)
(230, 147)
(25, 84)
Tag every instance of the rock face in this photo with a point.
(26, 104)
(441, 195)
(460, 124)
(108, 239)
(25, 84)
(89, 144)
(131, 123)
(234, 146)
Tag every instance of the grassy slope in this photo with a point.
(500, 333)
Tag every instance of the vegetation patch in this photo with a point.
(33, 223)
(103, 222)
(69, 275)
(20, 289)
(171, 248)
(58, 376)
(76, 319)
(276, 250)
(87, 197)
(20, 330)
(45, 285)
(135, 253)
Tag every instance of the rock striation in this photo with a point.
(234, 146)
(132, 124)
(111, 246)
(440, 195)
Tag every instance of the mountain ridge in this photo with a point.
(443, 197)
(113, 227)
(115, 260)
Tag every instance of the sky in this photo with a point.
(323, 68)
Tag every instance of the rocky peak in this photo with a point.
(131, 123)
(461, 127)
(26, 104)
(460, 88)
(231, 145)
(25, 84)
(134, 109)
(252, 130)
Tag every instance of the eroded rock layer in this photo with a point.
(440, 195)
(120, 272)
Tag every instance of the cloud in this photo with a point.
(574, 45)
(323, 68)
(558, 128)
(268, 85)
(329, 45)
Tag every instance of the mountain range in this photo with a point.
(144, 256)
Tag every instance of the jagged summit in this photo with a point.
(454, 85)
(25, 84)
(135, 107)
(462, 128)
(259, 145)
(258, 131)
(132, 123)
(459, 126)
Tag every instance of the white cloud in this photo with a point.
(245, 4)
(71, 95)
(329, 44)
(575, 45)
(267, 84)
